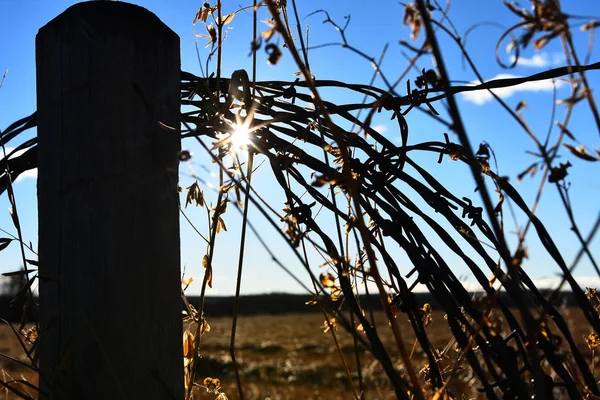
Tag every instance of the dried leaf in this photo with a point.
(571, 101)
(526, 38)
(412, 17)
(205, 261)
(184, 155)
(31, 334)
(520, 254)
(195, 194)
(428, 77)
(426, 315)
(330, 324)
(212, 384)
(415, 29)
(4, 242)
(532, 169)
(203, 13)
(521, 12)
(268, 34)
(274, 53)
(204, 328)
(19, 273)
(209, 277)
(544, 40)
(457, 154)
(484, 150)
(32, 262)
(540, 43)
(592, 340)
(336, 292)
(567, 132)
(498, 207)
(221, 225)
(188, 345)
(580, 152)
(15, 218)
(559, 173)
(186, 282)
(212, 35)
(522, 104)
(331, 261)
(327, 280)
(220, 209)
(589, 26)
(188, 379)
(226, 19)
(321, 180)
(198, 16)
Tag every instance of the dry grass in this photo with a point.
(290, 357)
(10, 370)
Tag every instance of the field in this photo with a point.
(290, 357)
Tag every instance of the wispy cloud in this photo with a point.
(480, 97)
(537, 61)
(32, 173)
(541, 60)
(380, 128)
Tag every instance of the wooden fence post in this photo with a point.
(108, 89)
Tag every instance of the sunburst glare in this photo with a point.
(240, 138)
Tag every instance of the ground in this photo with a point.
(290, 357)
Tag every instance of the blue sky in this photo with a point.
(371, 28)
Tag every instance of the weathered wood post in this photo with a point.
(108, 88)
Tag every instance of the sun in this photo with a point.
(240, 138)
(237, 138)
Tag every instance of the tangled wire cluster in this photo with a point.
(283, 132)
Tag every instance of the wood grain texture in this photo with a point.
(108, 76)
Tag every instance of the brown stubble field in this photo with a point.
(290, 357)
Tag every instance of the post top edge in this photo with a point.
(112, 12)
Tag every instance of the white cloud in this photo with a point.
(537, 61)
(583, 281)
(32, 173)
(558, 59)
(541, 60)
(10, 150)
(380, 128)
(480, 97)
